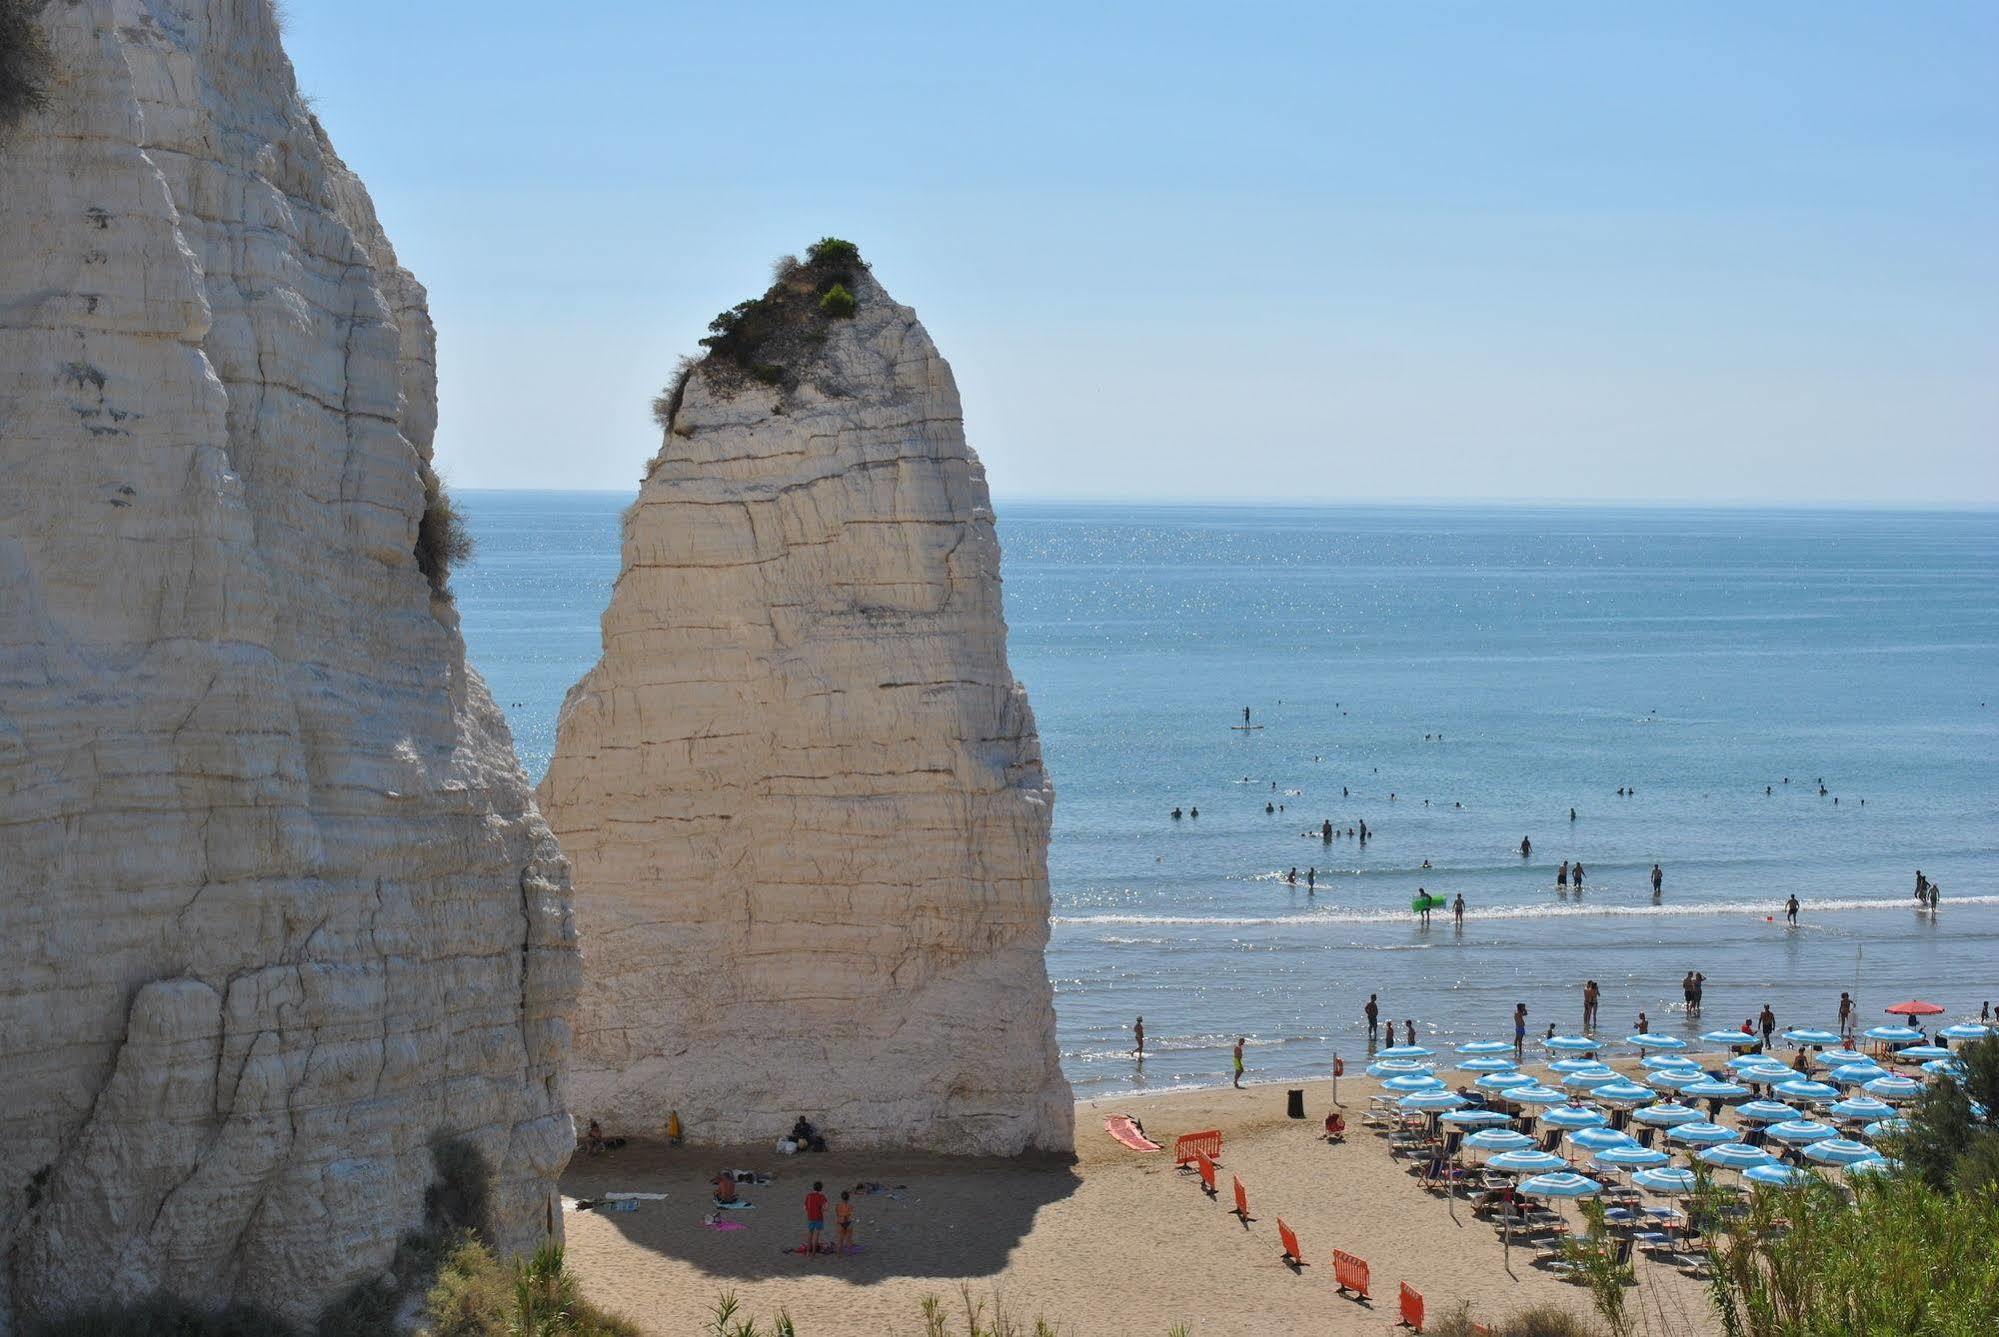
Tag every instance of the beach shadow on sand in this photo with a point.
(941, 1216)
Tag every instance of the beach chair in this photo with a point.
(1207, 1169)
(1412, 1308)
(1189, 1145)
(1241, 1202)
(1293, 1257)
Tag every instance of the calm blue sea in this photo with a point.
(1457, 677)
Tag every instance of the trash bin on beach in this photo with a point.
(1295, 1105)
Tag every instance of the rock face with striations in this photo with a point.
(278, 913)
(801, 790)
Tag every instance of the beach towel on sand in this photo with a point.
(1121, 1127)
(735, 1206)
(725, 1225)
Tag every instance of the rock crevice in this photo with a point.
(802, 791)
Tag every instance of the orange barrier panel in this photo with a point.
(1190, 1145)
(1412, 1307)
(1207, 1169)
(1241, 1200)
(1350, 1273)
(1293, 1255)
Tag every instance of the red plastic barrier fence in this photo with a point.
(1241, 1200)
(1412, 1307)
(1207, 1169)
(1292, 1253)
(1190, 1145)
(1350, 1273)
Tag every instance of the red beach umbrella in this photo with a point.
(1915, 1008)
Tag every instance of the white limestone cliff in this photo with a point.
(802, 792)
(278, 913)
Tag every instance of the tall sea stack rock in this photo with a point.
(802, 792)
(281, 932)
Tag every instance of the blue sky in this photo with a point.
(1696, 251)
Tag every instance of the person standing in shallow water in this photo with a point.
(1526, 848)
(1138, 1034)
(1658, 880)
(1519, 1028)
(1458, 910)
(1373, 1010)
(1562, 875)
(1791, 910)
(1238, 1062)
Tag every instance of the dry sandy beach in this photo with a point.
(1117, 1243)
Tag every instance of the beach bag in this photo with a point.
(786, 1147)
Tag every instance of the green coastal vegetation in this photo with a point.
(771, 339)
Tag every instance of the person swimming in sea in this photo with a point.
(1311, 878)
(1526, 848)
(1326, 830)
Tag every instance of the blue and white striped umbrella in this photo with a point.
(1767, 1111)
(1632, 1157)
(1398, 1068)
(1411, 1081)
(1853, 1074)
(1499, 1139)
(1667, 1114)
(1485, 1047)
(1574, 1116)
(1880, 1165)
(1893, 1088)
(1672, 1079)
(1839, 1151)
(1837, 1058)
(1765, 1073)
(1804, 1088)
(1571, 1044)
(1918, 1053)
(1741, 1061)
(1432, 1102)
(1776, 1176)
(1650, 1041)
(1733, 1156)
(1600, 1139)
(1561, 1184)
(1861, 1107)
(1475, 1119)
(1666, 1179)
(1709, 1089)
(1801, 1131)
(1812, 1037)
(1730, 1039)
(1526, 1162)
(1894, 1034)
(1622, 1092)
(1947, 1067)
(1568, 1065)
(1966, 1030)
(1534, 1095)
(1657, 1062)
(1881, 1128)
(1701, 1133)
(1584, 1081)
(1486, 1065)
(1500, 1081)
(1404, 1051)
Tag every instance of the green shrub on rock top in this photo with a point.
(838, 302)
(24, 62)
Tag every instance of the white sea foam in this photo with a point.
(1757, 909)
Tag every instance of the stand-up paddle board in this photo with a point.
(1245, 728)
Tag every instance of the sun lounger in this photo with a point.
(1125, 1130)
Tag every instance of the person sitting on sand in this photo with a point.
(1336, 1126)
(593, 1139)
(725, 1190)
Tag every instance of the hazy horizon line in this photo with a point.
(1328, 503)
